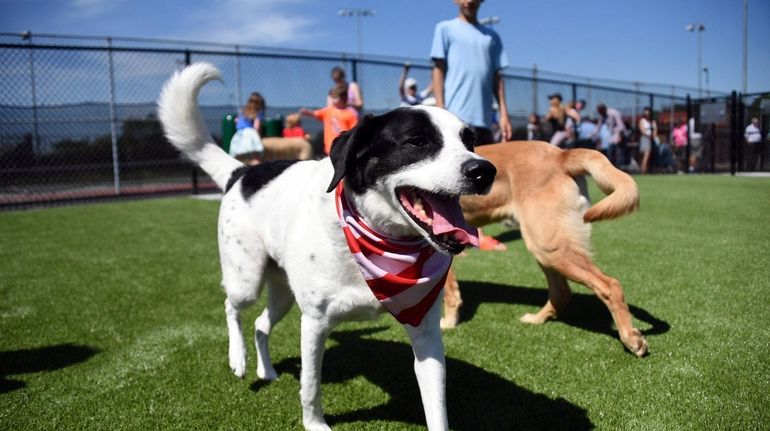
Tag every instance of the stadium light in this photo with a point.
(357, 13)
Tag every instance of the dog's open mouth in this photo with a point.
(441, 217)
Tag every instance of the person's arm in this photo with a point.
(505, 122)
(317, 114)
(438, 74)
(598, 129)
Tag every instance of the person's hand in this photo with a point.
(407, 65)
(505, 128)
(305, 111)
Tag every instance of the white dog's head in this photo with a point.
(406, 169)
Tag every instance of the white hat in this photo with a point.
(410, 82)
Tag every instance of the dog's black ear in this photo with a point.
(345, 149)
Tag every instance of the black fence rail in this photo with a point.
(78, 120)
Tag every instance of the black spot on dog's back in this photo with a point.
(256, 177)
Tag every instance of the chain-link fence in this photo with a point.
(78, 120)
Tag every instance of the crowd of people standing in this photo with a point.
(466, 78)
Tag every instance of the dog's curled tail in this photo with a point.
(184, 126)
(621, 190)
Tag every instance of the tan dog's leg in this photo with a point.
(452, 301)
(580, 269)
(559, 295)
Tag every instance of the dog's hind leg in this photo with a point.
(313, 337)
(279, 302)
(236, 349)
(242, 273)
(580, 269)
(559, 295)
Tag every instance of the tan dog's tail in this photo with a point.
(621, 190)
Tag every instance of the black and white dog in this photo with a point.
(402, 172)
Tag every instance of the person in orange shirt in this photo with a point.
(336, 118)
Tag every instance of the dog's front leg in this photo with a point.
(430, 367)
(313, 338)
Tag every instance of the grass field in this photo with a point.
(111, 318)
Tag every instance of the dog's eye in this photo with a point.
(468, 138)
(415, 142)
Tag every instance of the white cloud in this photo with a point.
(90, 8)
(255, 22)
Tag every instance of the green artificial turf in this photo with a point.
(111, 317)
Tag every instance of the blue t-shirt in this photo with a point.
(473, 53)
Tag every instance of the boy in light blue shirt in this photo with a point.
(468, 58)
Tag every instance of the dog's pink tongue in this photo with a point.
(448, 219)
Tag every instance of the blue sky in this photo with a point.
(627, 40)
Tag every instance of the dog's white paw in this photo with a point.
(266, 373)
(238, 364)
(317, 427)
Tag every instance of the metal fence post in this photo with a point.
(113, 120)
(636, 104)
(671, 122)
(689, 133)
(237, 77)
(733, 143)
(534, 88)
(741, 114)
(354, 71)
(35, 135)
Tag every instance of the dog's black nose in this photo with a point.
(481, 173)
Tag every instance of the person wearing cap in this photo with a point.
(407, 89)
(467, 62)
(557, 117)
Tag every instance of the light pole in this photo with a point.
(706, 72)
(745, 80)
(357, 13)
(698, 29)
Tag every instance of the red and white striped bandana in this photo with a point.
(405, 275)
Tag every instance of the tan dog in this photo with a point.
(535, 187)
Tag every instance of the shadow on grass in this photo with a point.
(49, 358)
(476, 399)
(509, 235)
(585, 311)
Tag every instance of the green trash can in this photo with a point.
(272, 127)
(228, 130)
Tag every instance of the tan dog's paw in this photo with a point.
(533, 319)
(448, 323)
(636, 343)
